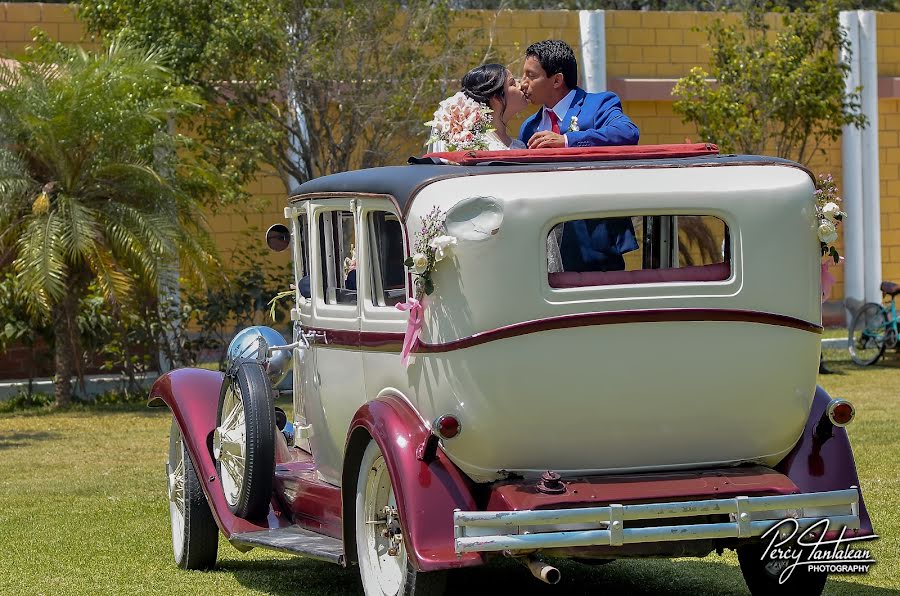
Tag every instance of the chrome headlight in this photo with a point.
(257, 342)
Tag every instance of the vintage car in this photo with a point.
(577, 353)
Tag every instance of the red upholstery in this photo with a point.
(564, 154)
(574, 279)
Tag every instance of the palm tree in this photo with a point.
(94, 186)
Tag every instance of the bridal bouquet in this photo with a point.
(462, 123)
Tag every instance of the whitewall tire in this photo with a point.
(384, 565)
(195, 537)
(244, 440)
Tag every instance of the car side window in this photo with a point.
(301, 257)
(386, 269)
(642, 248)
(337, 252)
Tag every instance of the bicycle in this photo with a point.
(874, 328)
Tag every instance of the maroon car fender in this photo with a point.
(815, 466)
(193, 396)
(426, 493)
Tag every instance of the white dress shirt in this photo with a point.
(561, 107)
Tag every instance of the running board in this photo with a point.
(295, 541)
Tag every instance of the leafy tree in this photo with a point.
(667, 5)
(308, 87)
(93, 189)
(784, 87)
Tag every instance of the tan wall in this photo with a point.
(654, 45)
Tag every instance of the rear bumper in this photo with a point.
(618, 525)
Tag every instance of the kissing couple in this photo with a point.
(477, 117)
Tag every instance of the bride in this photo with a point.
(492, 86)
(459, 117)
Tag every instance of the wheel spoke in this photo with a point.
(234, 464)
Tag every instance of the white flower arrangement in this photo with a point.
(462, 123)
(828, 215)
(573, 124)
(432, 246)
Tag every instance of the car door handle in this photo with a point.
(314, 337)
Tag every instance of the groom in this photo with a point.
(571, 117)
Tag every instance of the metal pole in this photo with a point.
(593, 49)
(851, 153)
(871, 182)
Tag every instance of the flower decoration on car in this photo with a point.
(828, 215)
(573, 124)
(431, 247)
(462, 123)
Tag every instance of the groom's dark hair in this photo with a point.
(556, 56)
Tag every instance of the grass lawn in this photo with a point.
(83, 511)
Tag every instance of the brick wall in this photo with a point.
(655, 45)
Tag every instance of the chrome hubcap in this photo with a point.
(384, 535)
(176, 486)
(229, 444)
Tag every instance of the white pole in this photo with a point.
(593, 49)
(851, 153)
(871, 181)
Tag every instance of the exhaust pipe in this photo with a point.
(541, 570)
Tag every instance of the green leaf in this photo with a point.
(409, 262)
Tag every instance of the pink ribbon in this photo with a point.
(413, 327)
(828, 279)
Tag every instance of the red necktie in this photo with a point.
(554, 121)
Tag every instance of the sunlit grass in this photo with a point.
(83, 511)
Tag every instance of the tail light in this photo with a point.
(840, 412)
(446, 426)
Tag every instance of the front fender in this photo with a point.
(426, 493)
(817, 467)
(193, 396)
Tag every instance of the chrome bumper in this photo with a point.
(483, 531)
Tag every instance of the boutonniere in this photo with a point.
(573, 124)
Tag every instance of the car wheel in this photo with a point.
(195, 537)
(244, 440)
(384, 566)
(763, 577)
(867, 334)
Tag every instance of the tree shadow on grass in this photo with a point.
(285, 577)
(890, 361)
(138, 408)
(293, 577)
(24, 439)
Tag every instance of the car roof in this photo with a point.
(403, 183)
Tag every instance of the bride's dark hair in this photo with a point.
(484, 82)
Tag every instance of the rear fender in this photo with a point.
(817, 467)
(192, 394)
(426, 493)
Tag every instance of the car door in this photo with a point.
(385, 285)
(331, 370)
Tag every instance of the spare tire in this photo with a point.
(244, 439)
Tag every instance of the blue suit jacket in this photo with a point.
(594, 244)
(600, 121)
